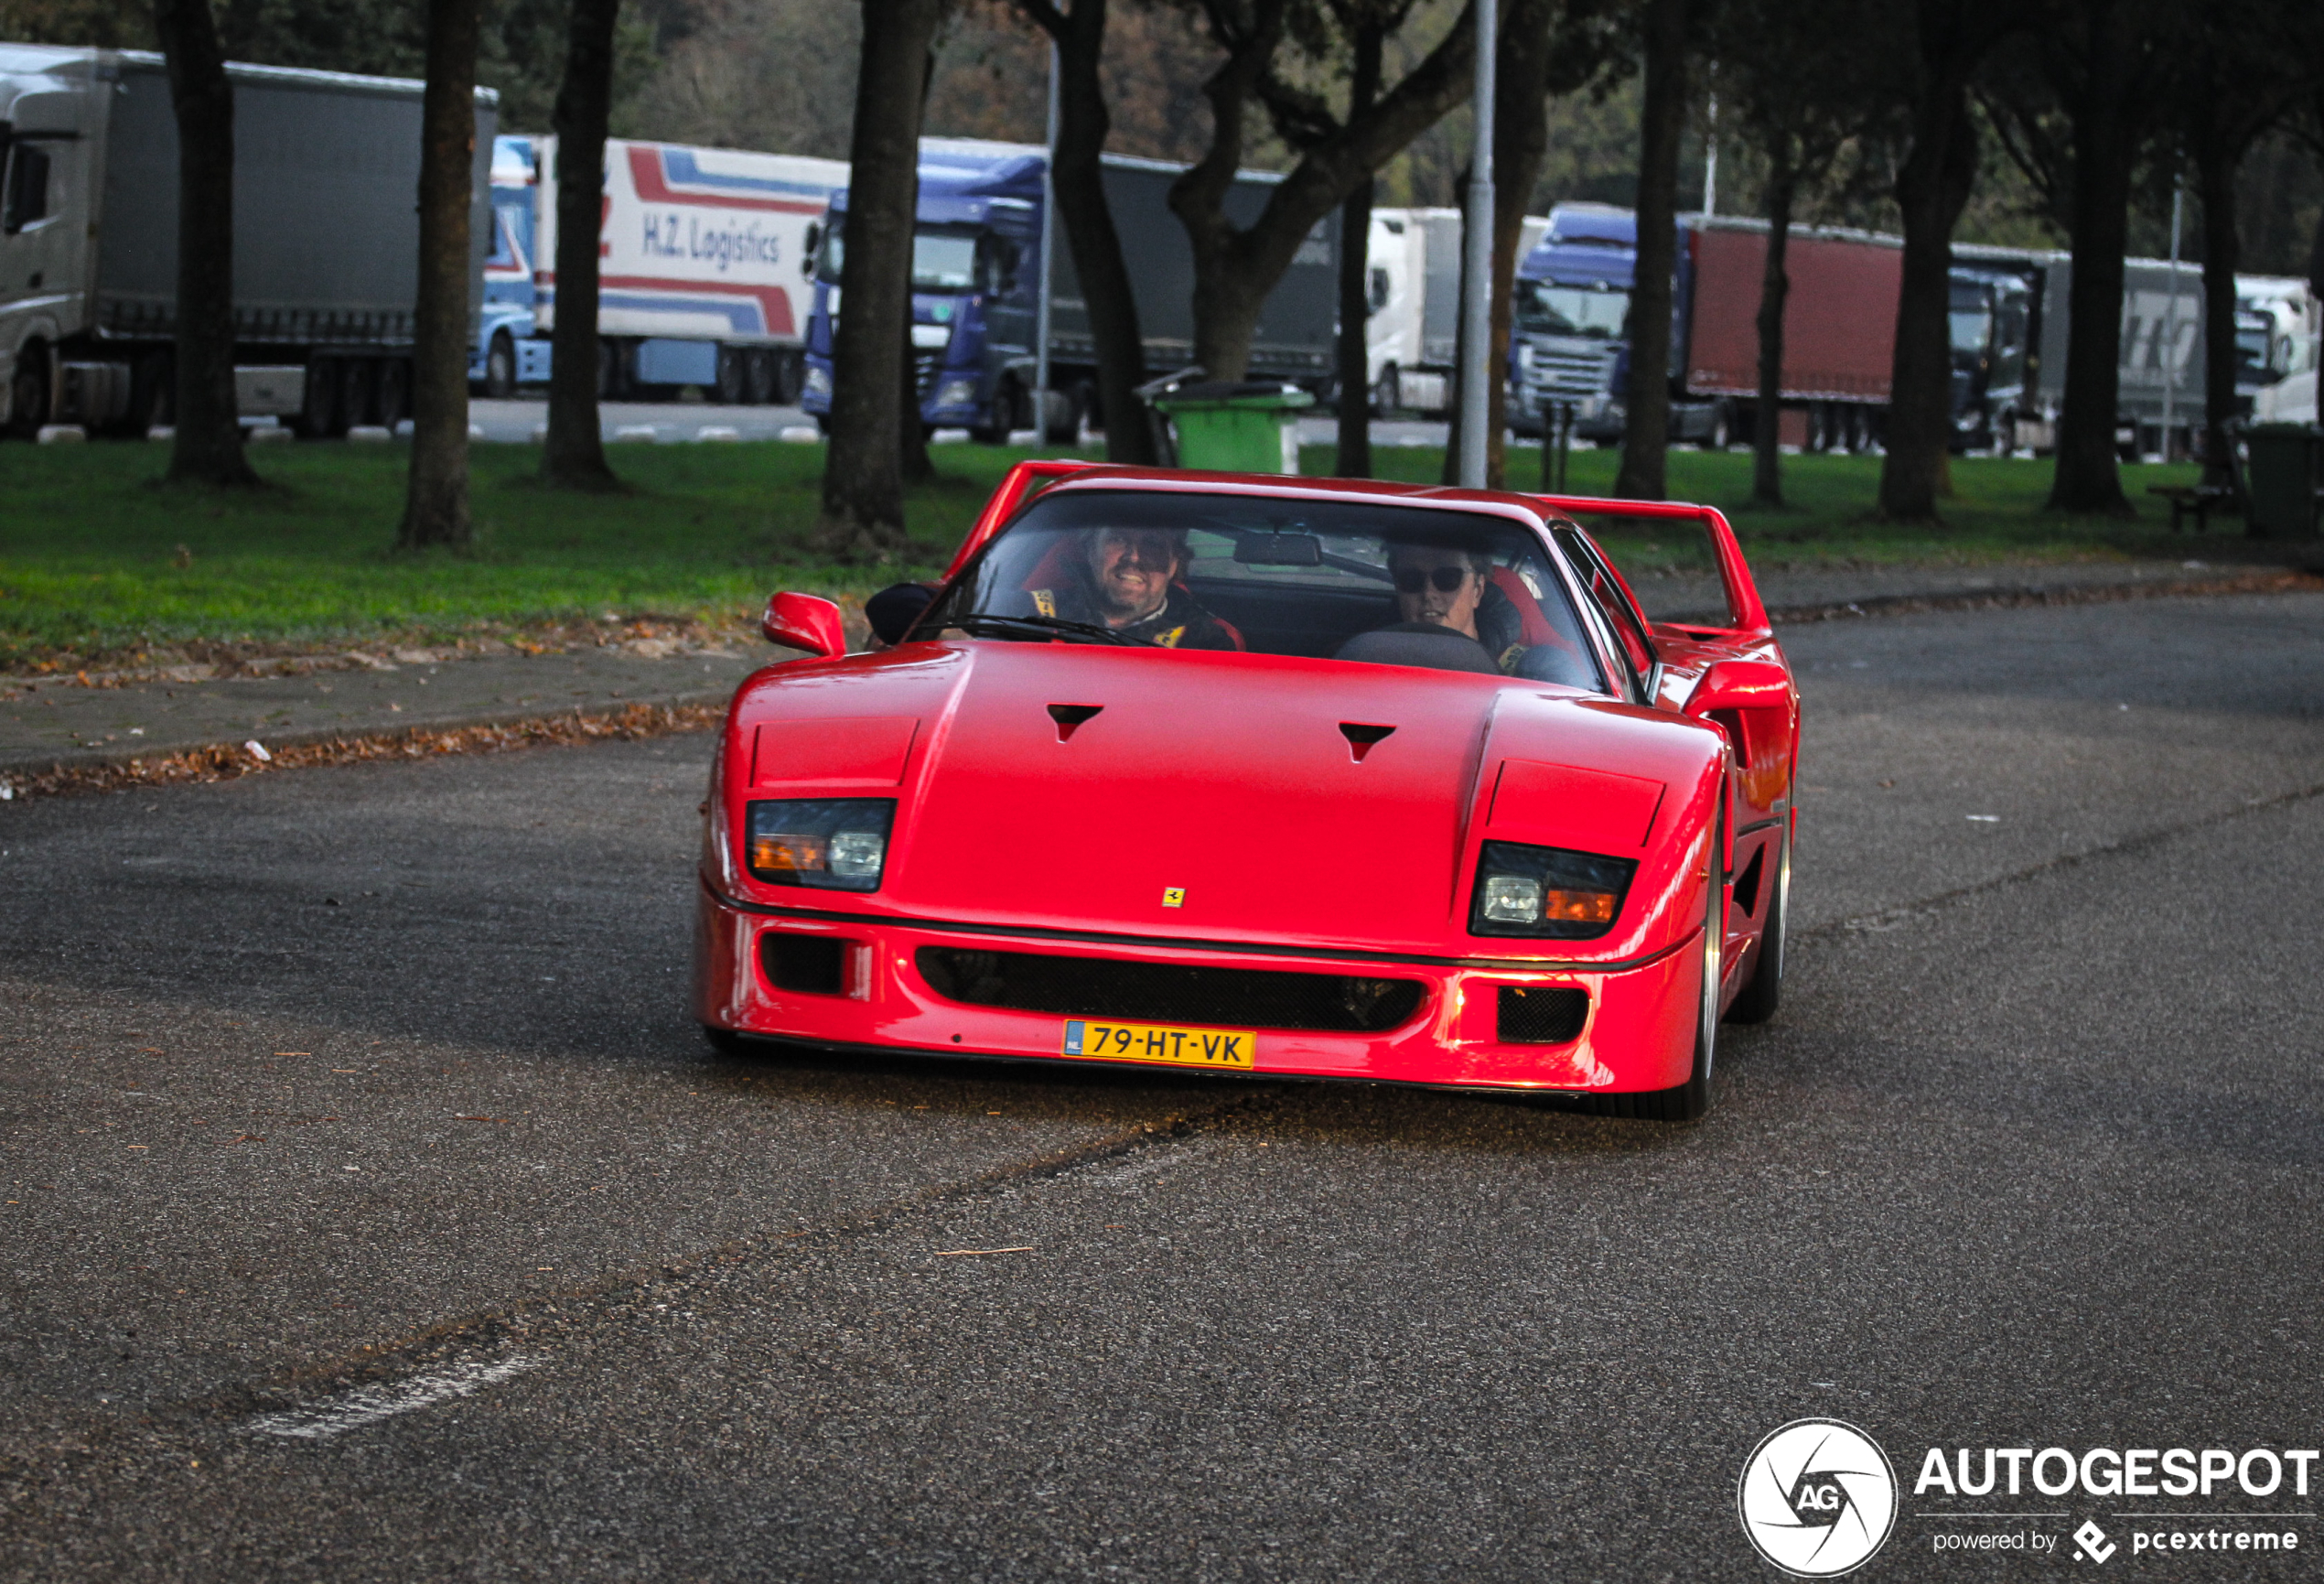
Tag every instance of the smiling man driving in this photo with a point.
(1128, 579)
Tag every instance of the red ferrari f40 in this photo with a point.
(1314, 778)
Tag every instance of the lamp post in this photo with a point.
(1478, 364)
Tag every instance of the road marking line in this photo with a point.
(368, 1405)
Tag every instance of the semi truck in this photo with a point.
(1573, 321)
(326, 240)
(699, 281)
(1412, 267)
(976, 291)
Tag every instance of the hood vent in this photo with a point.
(1361, 738)
(1069, 717)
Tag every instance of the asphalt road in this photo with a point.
(360, 1103)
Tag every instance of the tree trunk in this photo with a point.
(1775, 288)
(1933, 188)
(1355, 278)
(913, 464)
(574, 457)
(435, 505)
(862, 506)
(2089, 475)
(208, 446)
(1083, 124)
(2223, 253)
(1235, 269)
(1646, 424)
(1521, 142)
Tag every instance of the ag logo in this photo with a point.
(1817, 1498)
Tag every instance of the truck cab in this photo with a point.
(1570, 327)
(505, 353)
(976, 250)
(1991, 329)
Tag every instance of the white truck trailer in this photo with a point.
(326, 240)
(703, 272)
(1413, 276)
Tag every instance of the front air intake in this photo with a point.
(1536, 1015)
(808, 964)
(1168, 992)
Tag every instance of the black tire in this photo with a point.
(1387, 396)
(499, 367)
(394, 398)
(732, 381)
(320, 408)
(1756, 1002)
(1000, 418)
(358, 394)
(28, 391)
(761, 376)
(153, 394)
(1722, 430)
(727, 1042)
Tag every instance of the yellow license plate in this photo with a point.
(1227, 1047)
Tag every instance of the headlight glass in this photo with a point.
(818, 381)
(1548, 892)
(957, 393)
(831, 843)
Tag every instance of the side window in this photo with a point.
(28, 187)
(1631, 641)
(1669, 562)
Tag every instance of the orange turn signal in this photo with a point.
(1579, 907)
(786, 854)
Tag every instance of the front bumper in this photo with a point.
(1639, 1035)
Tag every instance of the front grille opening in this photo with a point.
(1169, 992)
(1538, 1015)
(810, 964)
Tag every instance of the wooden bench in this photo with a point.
(2198, 499)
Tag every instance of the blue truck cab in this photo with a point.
(977, 253)
(505, 353)
(1570, 323)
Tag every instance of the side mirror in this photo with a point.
(893, 609)
(1741, 684)
(804, 621)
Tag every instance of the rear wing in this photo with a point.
(1747, 613)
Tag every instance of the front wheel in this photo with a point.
(1000, 416)
(499, 368)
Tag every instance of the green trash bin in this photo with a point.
(2286, 473)
(1229, 427)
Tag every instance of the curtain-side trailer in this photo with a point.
(326, 240)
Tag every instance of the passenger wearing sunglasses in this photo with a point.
(1439, 586)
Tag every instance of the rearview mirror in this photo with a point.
(1741, 684)
(805, 621)
(1279, 550)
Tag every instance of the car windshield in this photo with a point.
(1374, 584)
(1547, 308)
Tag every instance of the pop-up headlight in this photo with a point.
(1548, 892)
(832, 843)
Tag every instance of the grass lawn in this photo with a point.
(101, 564)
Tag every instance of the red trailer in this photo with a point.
(1839, 326)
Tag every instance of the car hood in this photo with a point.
(1209, 796)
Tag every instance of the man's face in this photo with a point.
(1437, 586)
(1132, 569)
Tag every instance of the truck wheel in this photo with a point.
(1387, 394)
(761, 376)
(395, 403)
(152, 393)
(28, 391)
(732, 380)
(357, 388)
(320, 409)
(1000, 418)
(790, 377)
(499, 367)
(1064, 417)
(1722, 429)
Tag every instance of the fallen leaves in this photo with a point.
(232, 763)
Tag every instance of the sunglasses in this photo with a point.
(1411, 580)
